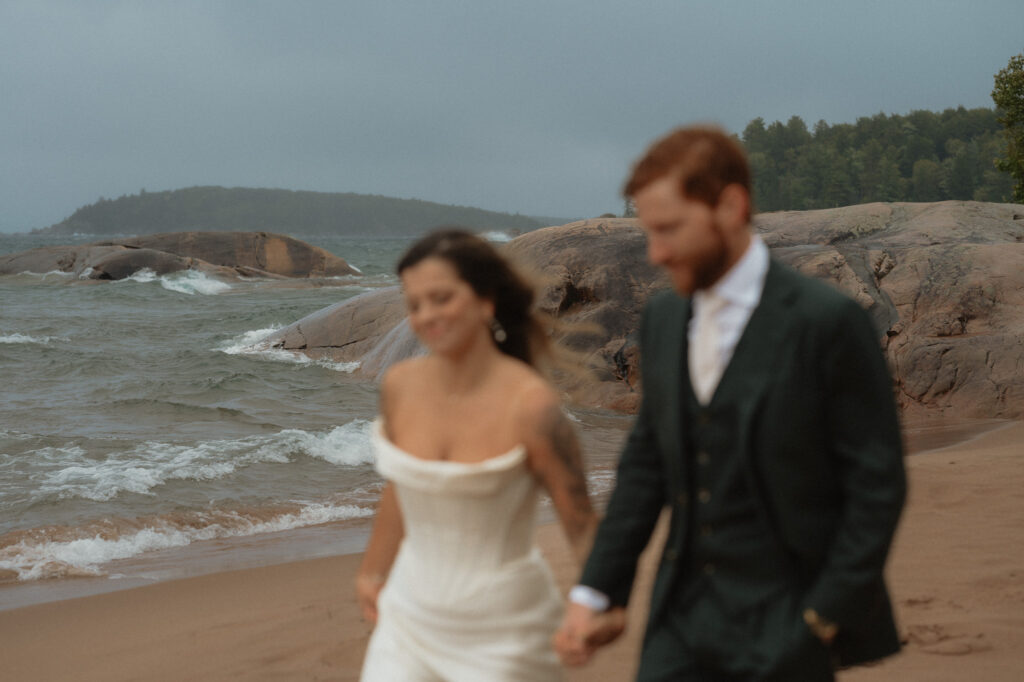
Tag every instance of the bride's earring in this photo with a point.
(497, 331)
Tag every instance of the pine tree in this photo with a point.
(1008, 95)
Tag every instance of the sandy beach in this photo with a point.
(956, 573)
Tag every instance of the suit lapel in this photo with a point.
(750, 373)
(675, 375)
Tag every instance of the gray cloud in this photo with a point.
(535, 107)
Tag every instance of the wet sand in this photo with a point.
(957, 576)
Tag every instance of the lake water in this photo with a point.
(145, 432)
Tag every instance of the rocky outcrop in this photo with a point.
(944, 283)
(593, 277)
(222, 254)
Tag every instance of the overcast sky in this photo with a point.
(530, 107)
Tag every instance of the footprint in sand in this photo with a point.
(918, 601)
(935, 639)
(955, 648)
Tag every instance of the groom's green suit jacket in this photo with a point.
(812, 402)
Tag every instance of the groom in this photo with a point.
(767, 428)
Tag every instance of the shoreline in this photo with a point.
(336, 538)
(954, 572)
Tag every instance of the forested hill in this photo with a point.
(277, 210)
(922, 156)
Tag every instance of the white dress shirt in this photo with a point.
(739, 291)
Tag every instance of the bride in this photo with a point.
(467, 436)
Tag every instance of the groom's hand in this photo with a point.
(584, 630)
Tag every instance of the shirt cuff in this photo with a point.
(589, 597)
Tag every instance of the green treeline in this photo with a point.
(277, 210)
(923, 156)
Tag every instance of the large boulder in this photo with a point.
(263, 252)
(219, 254)
(593, 277)
(92, 261)
(944, 283)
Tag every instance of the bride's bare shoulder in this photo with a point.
(403, 378)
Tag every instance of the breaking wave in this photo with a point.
(25, 338)
(189, 282)
(68, 551)
(254, 344)
(70, 472)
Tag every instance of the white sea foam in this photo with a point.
(189, 282)
(247, 341)
(60, 274)
(601, 481)
(69, 472)
(365, 282)
(497, 236)
(25, 338)
(346, 367)
(254, 344)
(37, 557)
(145, 275)
(349, 444)
(193, 282)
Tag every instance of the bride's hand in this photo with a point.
(368, 586)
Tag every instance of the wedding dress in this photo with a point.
(469, 597)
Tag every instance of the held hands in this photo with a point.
(368, 587)
(584, 630)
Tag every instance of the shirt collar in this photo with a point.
(743, 283)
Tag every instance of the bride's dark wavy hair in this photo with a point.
(491, 277)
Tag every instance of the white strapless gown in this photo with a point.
(469, 598)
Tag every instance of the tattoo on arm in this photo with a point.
(560, 434)
(569, 483)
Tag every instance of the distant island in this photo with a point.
(277, 210)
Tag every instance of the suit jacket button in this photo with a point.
(681, 499)
(704, 495)
(703, 458)
(671, 554)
